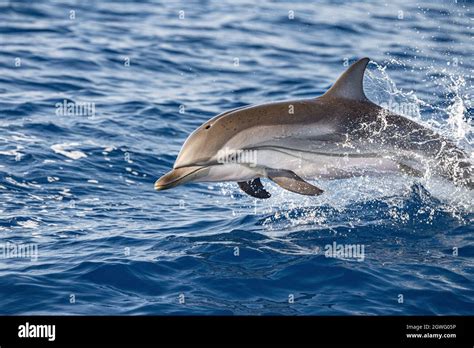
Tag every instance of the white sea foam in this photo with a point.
(65, 150)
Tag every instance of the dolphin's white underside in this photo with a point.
(312, 151)
(306, 164)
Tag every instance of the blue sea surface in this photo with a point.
(82, 230)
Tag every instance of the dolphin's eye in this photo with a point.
(208, 126)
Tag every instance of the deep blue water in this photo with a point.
(79, 187)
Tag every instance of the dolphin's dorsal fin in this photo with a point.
(350, 84)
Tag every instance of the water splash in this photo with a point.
(459, 125)
(449, 117)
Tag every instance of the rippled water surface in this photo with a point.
(79, 186)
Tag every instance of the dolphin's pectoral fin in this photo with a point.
(406, 169)
(254, 188)
(292, 182)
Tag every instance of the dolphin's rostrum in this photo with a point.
(339, 134)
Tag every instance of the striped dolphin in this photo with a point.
(339, 134)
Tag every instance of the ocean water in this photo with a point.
(82, 230)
